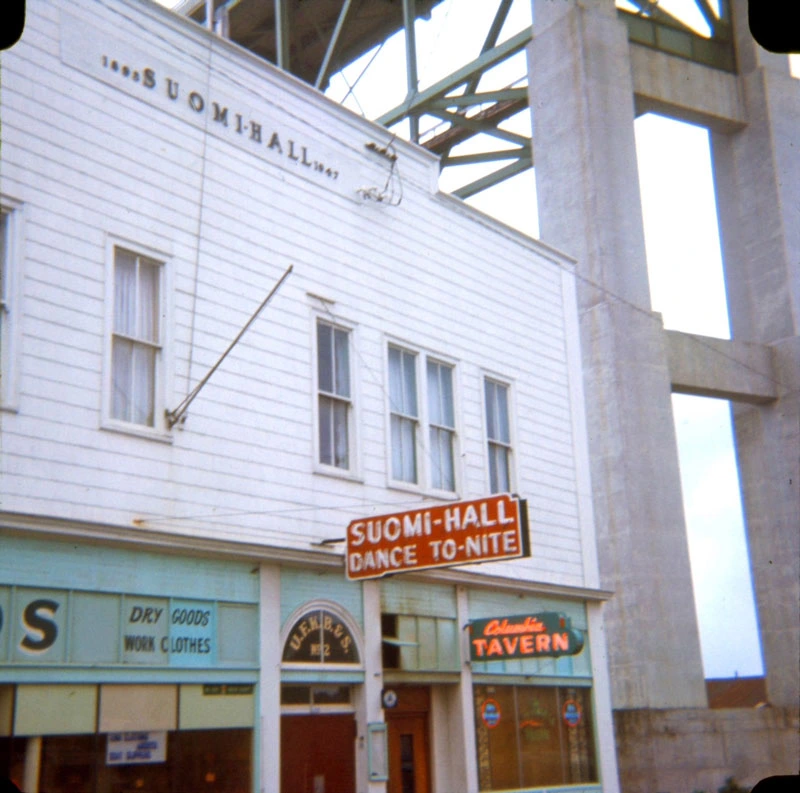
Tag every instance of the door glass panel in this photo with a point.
(407, 763)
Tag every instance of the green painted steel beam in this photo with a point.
(409, 19)
(480, 127)
(282, 34)
(487, 156)
(322, 75)
(480, 64)
(468, 100)
(491, 38)
(522, 164)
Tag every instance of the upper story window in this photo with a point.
(334, 395)
(442, 425)
(136, 341)
(4, 298)
(403, 414)
(498, 435)
(10, 233)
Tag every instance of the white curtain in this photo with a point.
(136, 329)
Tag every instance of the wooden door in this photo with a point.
(408, 753)
(318, 754)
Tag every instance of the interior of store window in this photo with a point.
(218, 760)
(533, 736)
(203, 742)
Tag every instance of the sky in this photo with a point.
(686, 285)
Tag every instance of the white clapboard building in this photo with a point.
(272, 582)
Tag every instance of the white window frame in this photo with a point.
(353, 470)
(422, 450)
(419, 462)
(160, 429)
(512, 444)
(448, 364)
(10, 302)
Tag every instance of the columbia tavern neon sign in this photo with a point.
(523, 636)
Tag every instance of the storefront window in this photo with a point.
(533, 736)
(218, 760)
(315, 695)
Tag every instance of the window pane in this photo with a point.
(497, 745)
(3, 238)
(325, 357)
(434, 394)
(148, 301)
(340, 434)
(441, 443)
(448, 413)
(579, 743)
(330, 695)
(125, 293)
(144, 360)
(3, 278)
(295, 695)
(409, 384)
(342, 363)
(498, 469)
(540, 730)
(326, 430)
(395, 381)
(404, 463)
(491, 409)
(502, 414)
(121, 378)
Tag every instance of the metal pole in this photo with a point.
(282, 34)
(174, 416)
(409, 17)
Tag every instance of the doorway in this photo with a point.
(318, 753)
(407, 727)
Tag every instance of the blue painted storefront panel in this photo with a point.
(299, 587)
(66, 628)
(81, 609)
(71, 565)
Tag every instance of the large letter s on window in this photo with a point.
(37, 619)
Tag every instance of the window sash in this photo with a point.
(133, 381)
(136, 297)
(441, 425)
(497, 426)
(498, 433)
(442, 463)
(404, 449)
(135, 342)
(333, 360)
(499, 469)
(4, 264)
(440, 395)
(333, 402)
(403, 382)
(334, 436)
(403, 414)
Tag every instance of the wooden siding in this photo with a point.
(94, 161)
